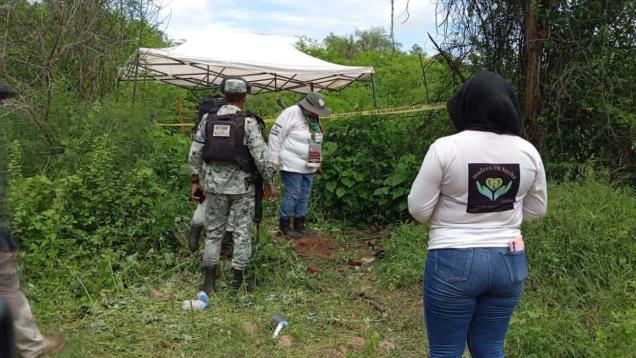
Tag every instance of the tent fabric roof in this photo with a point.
(268, 62)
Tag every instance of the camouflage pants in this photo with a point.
(29, 340)
(198, 219)
(221, 207)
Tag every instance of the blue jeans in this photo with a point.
(297, 194)
(469, 296)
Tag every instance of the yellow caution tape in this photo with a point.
(373, 112)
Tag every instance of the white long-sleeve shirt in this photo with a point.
(289, 141)
(475, 188)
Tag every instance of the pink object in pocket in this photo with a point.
(516, 244)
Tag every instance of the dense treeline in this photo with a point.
(70, 95)
(62, 53)
(66, 68)
(573, 63)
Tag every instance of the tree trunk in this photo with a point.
(532, 61)
(5, 40)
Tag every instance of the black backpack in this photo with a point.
(208, 105)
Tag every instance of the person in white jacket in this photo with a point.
(295, 143)
(475, 188)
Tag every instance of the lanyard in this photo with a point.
(314, 126)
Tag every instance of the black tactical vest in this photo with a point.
(225, 141)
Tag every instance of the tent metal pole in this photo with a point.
(375, 101)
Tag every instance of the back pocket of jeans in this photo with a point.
(453, 265)
(516, 264)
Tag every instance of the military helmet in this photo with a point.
(234, 85)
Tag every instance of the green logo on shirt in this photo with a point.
(494, 188)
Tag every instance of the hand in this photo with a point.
(277, 167)
(197, 189)
(319, 171)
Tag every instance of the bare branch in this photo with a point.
(406, 11)
(453, 66)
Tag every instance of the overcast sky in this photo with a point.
(186, 19)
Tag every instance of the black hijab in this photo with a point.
(485, 103)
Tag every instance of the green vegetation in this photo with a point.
(581, 291)
(99, 196)
(373, 162)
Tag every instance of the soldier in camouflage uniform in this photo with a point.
(197, 224)
(208, 105)
(229, 186)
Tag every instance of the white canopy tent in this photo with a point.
(267, 62)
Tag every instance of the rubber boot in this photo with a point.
(300, 228)
(209, 280)
(239, 280)
(284, 226)
(195, 233)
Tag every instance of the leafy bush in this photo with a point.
(100, 207)
(113, 195)
(371, 162)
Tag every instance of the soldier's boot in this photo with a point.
(209, 279)
(239, 280)
(193, 237)
(227, 245)
(300, 228)
(284, 226)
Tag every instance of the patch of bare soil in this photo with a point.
(315, 247)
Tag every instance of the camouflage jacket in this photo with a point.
(228, 178)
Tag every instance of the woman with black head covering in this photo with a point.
(475, 188)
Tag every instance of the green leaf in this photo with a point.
(340, 192)
(381, 191)
(331, 186)
(360, 176)
(347, 181)
(397, 193)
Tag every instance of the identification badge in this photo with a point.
(221, 130)
(314, 155)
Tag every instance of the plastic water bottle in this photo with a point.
(202, 296)
(197, 305)
(280, 322)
